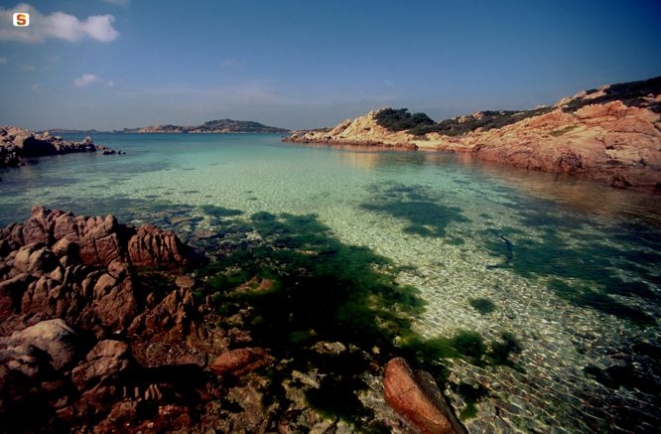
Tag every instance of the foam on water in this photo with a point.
(453, 222)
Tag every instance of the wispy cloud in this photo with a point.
(58, 25)
(3, 60)
(28, 67)
(87, 79)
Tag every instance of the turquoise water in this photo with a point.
(568, 268)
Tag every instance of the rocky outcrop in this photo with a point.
(416, 397)
(17, 144)
(92, 241)
(594, 135)
(85, 341)
(608, 142)
(362, 131)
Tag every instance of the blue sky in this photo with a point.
(110, 64)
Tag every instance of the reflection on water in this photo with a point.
(582, 195)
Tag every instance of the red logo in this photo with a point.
(21, 19)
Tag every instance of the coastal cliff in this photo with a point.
(611, 134)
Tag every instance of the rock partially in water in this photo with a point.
(18, 143)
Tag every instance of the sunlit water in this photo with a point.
(569, 267)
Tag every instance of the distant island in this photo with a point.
(217, 126)
(610, 134)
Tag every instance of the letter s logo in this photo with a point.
(21, 19)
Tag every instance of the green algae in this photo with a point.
(482, 305)
(591, 298)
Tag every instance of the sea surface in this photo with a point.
(568, 269)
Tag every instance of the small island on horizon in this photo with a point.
(219, 126)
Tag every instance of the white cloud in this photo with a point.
(3, 61)
(28, 67)
(36, 88)
(57, 25)
(86, 80)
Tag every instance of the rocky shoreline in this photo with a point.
(105, 327)
(611, 134)
(18, 144)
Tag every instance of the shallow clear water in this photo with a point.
(569, 267)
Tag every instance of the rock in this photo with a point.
(114, 302)
(599, 141)
(64, 247)
(55, 337)
(94, 240)
(101, 240)
(416, 397)
(18, 143)
(11, 294)
(107, 360)
(151, 246)
(323, 347)
(240, 361)
(185, 282)
(40, 297)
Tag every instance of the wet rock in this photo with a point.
(416, 397)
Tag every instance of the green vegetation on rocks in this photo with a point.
(419, 123)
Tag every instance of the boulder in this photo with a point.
(54, 337)
(416, 397)
(152, 246)
(11, 294)
(107, 360)
(114, 301)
